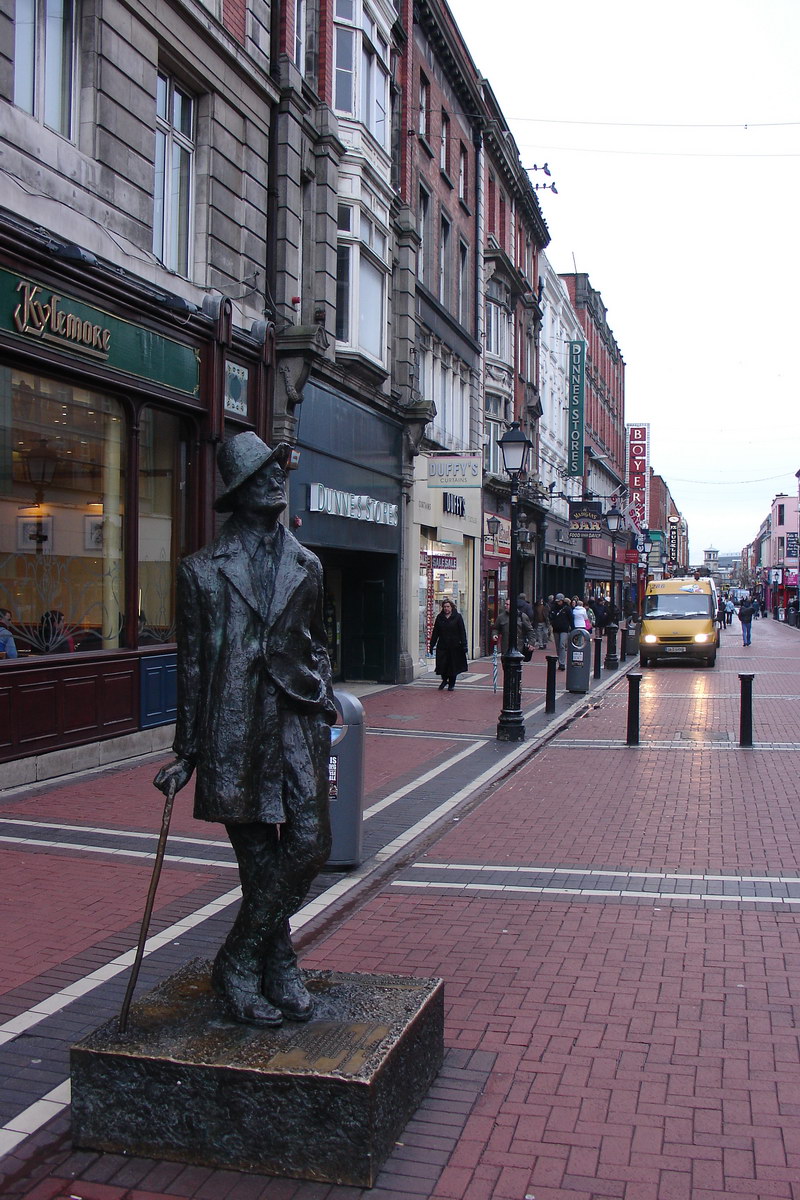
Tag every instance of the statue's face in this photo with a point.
(264, 492)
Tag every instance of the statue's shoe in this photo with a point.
(244, 1004)
(288, 993)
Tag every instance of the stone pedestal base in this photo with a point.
(325, 1100)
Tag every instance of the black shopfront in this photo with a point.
(345, 506)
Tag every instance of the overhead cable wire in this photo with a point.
(661, 124)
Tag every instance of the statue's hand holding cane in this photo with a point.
(169, 780)
(178, 772)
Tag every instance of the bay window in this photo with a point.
(494, 427)
(361, 282)
(498, 340)
(361, 68)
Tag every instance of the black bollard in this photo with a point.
(633, 709)
(598, 653)
(746, 711)
(612, 659)
(550, 686)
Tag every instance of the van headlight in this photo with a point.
(701, 637)
(650, 638)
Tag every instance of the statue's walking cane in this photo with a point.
(172, 787)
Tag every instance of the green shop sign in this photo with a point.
(32, 312)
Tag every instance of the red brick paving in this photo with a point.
(57, 904)
(645, 1050)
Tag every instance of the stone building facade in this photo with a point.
(136, 245)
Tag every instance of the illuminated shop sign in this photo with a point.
(347, 504)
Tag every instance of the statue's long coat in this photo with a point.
(255, 698)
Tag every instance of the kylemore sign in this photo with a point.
(36, 313)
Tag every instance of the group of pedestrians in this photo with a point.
(557, 617)
(566, 615)
(536, 623)
(748, 610)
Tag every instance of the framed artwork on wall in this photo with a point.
(93, 532)
(35, 534)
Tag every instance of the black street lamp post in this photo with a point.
(540, 551)
(613, 523)
(514, 446)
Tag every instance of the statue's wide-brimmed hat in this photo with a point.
(239, 458)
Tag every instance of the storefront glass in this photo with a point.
(62, 473)
(445, 573)
(162, 523)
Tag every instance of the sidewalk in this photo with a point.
(617, 929)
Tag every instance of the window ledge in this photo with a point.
(360, 364)
(426, 146)
(446, 178)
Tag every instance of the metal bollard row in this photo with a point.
(745, 710)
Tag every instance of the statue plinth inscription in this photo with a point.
(325, 1100)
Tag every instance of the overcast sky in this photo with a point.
(672, 133)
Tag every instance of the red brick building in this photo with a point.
(604, 428)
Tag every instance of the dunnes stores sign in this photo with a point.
(576, 385)
(347, 504)
(32, 312)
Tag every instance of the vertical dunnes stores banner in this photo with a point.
(576, 386)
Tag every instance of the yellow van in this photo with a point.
(679, 621)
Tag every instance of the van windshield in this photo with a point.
(671, 606)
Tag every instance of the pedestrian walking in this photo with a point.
(449, 641)
(541, 625)
(580, 615)
(746, 610)
(524, 632)
(525, 606)
(721, 613)
(602, 614)
(730, 609)
(561, 622)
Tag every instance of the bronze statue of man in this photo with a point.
(255, 706)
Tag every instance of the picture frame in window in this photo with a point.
(93, 532)
(35, 535)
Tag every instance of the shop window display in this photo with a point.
(62, 463)
(63, 479)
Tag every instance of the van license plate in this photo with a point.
(674, 649)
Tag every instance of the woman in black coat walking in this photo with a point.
(449, 640)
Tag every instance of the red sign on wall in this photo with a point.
(638, 475)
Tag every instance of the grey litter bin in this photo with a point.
(346, 779)
(632, 639)
(579, 660)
